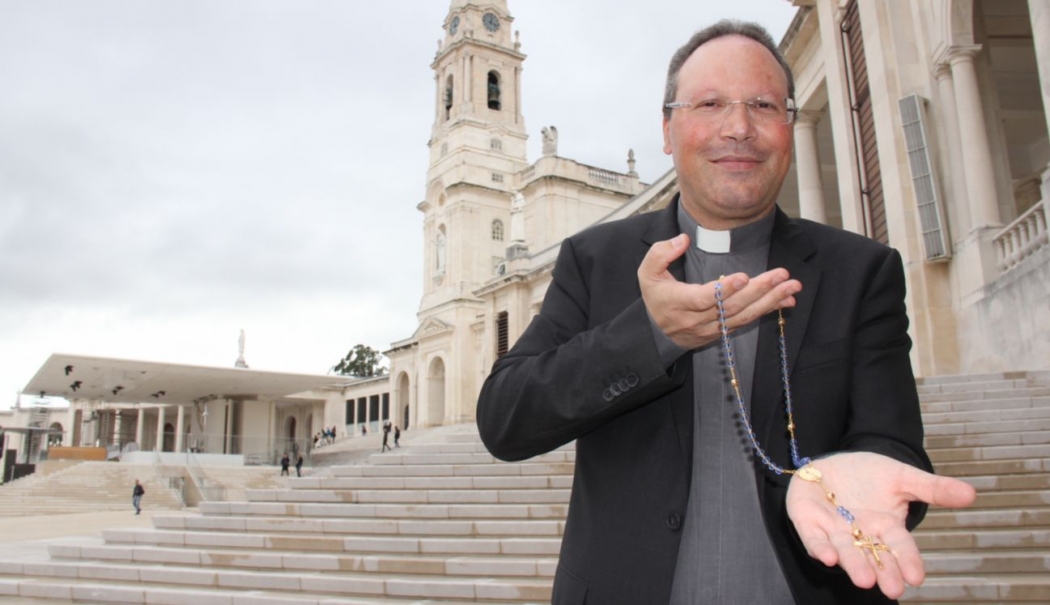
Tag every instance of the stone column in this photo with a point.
(159, 447)
(138, 426)
(1039, 14)
(807, 163)
(955, 181)
(976, 149)
(180, 426)
(228, 410)
(118, 428)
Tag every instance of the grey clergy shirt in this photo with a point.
(725, 554)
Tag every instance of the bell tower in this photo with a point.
(477, 147)
(477, 155)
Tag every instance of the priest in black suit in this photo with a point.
(669, 503)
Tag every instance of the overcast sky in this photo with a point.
(174, 171)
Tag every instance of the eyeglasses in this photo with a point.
(760, 110)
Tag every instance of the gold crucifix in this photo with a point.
(867, 543)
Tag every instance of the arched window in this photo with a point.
(494, 92)
(497, 230)
(448, 97)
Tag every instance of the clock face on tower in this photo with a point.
(491, 22)
(454, 26)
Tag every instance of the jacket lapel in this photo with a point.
(790, 248)
(665, 227)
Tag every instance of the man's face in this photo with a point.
(730, 168)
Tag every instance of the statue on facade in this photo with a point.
(550, 140)
(240, 363)
(630, 163)
(517, 217)
(439, 253)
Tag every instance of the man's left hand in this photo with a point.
(876, 489)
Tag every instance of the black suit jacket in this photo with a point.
(587, 369)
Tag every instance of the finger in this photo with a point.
(906, 554)
(936, 490)
(661, 255)
(780, 296)
(852, 560)
(812, 531)
(888, 576)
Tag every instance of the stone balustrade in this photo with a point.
(1022, 237)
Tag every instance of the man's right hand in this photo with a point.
(687, 313)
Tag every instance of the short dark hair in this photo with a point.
(725, 27)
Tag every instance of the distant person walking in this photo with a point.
(285, 462)
(299, 466)
(397, 436)
(136, 496)
(386, 435)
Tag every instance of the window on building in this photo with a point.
(497, 230)
(494, 91)
(496, 145)
(497, 177)
(501, 334)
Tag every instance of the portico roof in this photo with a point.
(133, 381)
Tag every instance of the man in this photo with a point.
(286, 461)
(136, 496)
(299, 466)
(626, 358)
(386, 435)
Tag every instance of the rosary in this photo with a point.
(804, 468)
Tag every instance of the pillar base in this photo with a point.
(975, 264)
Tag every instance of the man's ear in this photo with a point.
(667, 134)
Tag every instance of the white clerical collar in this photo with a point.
(714, 242)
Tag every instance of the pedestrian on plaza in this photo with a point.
(136, 496)
(299, 466)
(285, 462)
(364, 430)
(397, 436)
(386, 435)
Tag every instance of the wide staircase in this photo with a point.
(443, 522)
(87, 486)
(992, 431)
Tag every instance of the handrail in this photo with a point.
(1021, 238)
(167, 480)
(196, 472)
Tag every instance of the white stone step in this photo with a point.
(986, 519)
(993, 467)
(423, 511)
(175, 586)
(984, 588)
(968, 539)
(990, 453)
(130, 538)
(988, 440)
(393, 527)
(432, 482)
(407, 496)
(987, 415)
(94, 561)
(456, 470)
(981, 428)
(426, 459)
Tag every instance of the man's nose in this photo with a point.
(737, 123)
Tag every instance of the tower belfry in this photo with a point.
(477, 146)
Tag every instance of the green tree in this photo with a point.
(362, 361)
